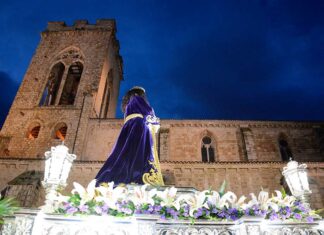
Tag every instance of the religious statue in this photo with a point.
(134, 158)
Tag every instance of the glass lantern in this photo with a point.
(58, 163)
(297, 180)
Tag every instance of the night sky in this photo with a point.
(256, 60)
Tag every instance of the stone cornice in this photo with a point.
(180, 163)
(165, 123)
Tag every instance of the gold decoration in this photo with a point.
(131, 116)
(154, 177)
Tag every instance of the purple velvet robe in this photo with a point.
(130, 157)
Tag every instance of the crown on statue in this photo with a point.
(137, 88)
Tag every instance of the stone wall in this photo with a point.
(180, 140)
(241, 178)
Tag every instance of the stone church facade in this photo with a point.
(70, 92)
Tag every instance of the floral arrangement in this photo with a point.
(168, 204)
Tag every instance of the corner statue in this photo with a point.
(134, 158)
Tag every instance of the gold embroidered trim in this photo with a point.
(154, 177)
(131, 116)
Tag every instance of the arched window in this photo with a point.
(71, 84)
(60, 131)
(33, 132)
(284, 148)
(207, 149)
(53, 85)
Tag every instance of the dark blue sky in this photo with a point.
(197, 59)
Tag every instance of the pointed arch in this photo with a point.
(53, 84)
(70, 54)
(71, 84)
(207, 147)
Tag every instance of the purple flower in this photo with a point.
(310, 219)
(200, 211)
(302, 208)
(247, 211)
(297, 216)
(157, 208)
(297, 203)
(233, 217)
(67, 205)
(71, 210)
(185, 214)
(274, 216)
(145, 211)
(214, 211)
(174, 212)
(263, 213)
(150, 209)
(84, 208)
(232, 210)
(105, 208)
(222, 214)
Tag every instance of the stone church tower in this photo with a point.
(69, 93)
(73, 76)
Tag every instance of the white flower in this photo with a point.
(168, 197)
(227, 200)
(199, 200)
(262, 200)
(85, 194)
(279, 200)
(53, 201)
(141, 196)
(213, 198)
(111, 195)
(240, 203)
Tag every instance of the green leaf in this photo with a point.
(320, 212)
(222, 188)
(283, 192)
(7, 207)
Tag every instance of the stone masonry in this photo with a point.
(84, 60)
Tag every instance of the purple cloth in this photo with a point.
(130, 157)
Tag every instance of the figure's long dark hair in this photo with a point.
(129, 94)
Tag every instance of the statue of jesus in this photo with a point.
(134, 158)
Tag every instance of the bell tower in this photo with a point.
(73, 76)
